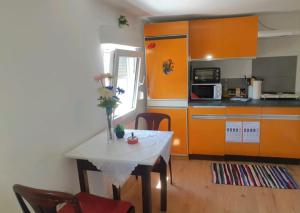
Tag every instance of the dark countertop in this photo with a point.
(266, 103)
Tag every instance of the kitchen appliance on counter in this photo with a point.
(256, 89)
(205, 83)
(206, 91)
(236, 92)
(280, 96)
(206, 75)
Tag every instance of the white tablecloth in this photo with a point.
(118, 159)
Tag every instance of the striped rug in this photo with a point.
(253, 175)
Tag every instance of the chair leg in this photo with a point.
(170, 168)
(116, 192)
(131, 210)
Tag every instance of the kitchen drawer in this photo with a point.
(200, 110)
(206, 131)
(281, 110)
(243, 110)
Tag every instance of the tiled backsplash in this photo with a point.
(278, 73)
(230, 83)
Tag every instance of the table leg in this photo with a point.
(163, 182)
(146, 189)
(116, 192)
(83, 178)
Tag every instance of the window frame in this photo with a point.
(117, 53)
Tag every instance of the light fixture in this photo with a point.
(209, 57)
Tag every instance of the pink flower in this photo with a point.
(100, 77)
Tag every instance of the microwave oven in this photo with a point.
(206, 75)
(206, 92)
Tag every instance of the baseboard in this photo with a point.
(245, 158)
(206, 157)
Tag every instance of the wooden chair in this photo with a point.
(153, 121)
(44, 201)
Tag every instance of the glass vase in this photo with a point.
(110, 129)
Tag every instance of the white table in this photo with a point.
(118, 160)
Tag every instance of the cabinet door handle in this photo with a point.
(208, 117)
(281, 117)
(256, 117)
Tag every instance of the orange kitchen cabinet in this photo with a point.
(166, 28)
(206, 130)
(243, 111)
(243, 114)
(223, 38)
(178, 126)
(280, 132)
(242, 148)
(173, 85)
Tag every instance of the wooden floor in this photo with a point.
(194, 192)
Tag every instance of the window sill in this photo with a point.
(125, 117)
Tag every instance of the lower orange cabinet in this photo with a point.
(242, 114)
(242, 148)
(206, 131)
(178, 126)
(280, 132)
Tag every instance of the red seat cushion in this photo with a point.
(95, 204)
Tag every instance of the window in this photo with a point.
(125, 65)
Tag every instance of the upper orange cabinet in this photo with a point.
(166, 28)
(223, 38)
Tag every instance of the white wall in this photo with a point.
(49, 53)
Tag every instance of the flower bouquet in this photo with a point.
(108, 99)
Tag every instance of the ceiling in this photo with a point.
(155, 10)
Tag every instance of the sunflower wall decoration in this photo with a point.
(168, 66)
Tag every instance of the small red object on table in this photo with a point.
(133, 139)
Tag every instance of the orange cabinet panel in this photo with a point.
(206, 131)
(205, 38)
(207, 110)
(174, 84)
(243, 110)
(243, 114)
(280, 135)
(178, 126)
(166, 28)
(224, 38)
(240, 37)
(281, 110)
(244, 149)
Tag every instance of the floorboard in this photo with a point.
(194, 192)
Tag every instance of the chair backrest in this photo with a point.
(153, 120)
(43, 201)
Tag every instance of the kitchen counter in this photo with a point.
(262, 103)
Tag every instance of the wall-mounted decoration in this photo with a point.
(123, 21)
(168, 66)
(152, 45)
